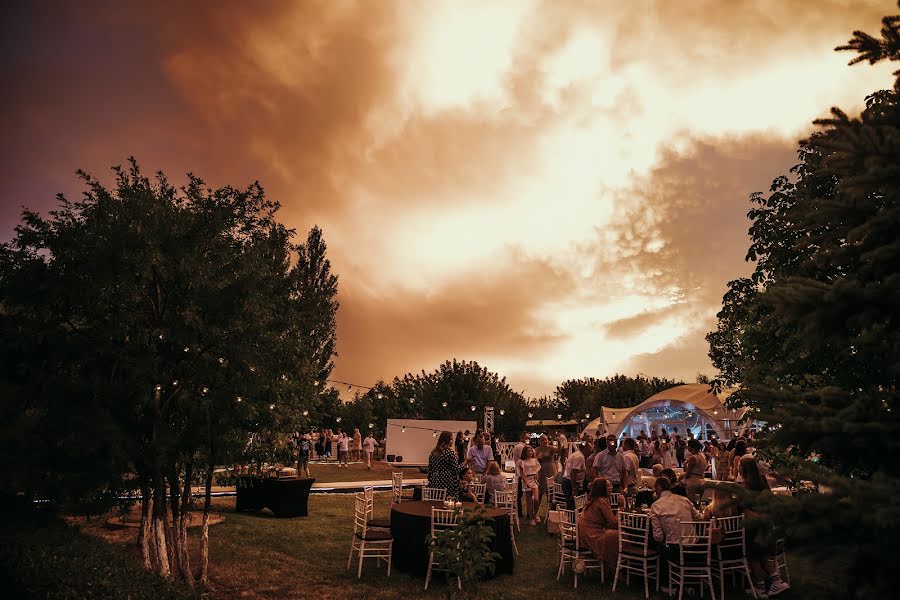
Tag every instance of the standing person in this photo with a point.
(320, 444)
(479, 434)
(760, 532)
(645, 450)
(303, 447)
(516, 456)
(343, 443)
(369, 445)
(668, 454)
(632, 480)
(739, 451)
(611, 465)
(680, 447)
(357, 445)
(694, 469)
(329, 438)
(546, 456)
(443, 466)
(460, 446)
(573, 476)
(479, 456)
(563, 446)
(597, 526)
(529, 468)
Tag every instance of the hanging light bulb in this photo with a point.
(338, 420)
(221, 360)
(530, 415)
(349, 388)
(558, 417)
(380, 396)
(205, 390)
(305, 413)
(502, 412)
(316, 383)
(434, 434)
(444, 404)
(473, 408)
(160, 336)
(186, 349)
(158, 387)
(403, 429)
(271, 407)
(371, 425)
(412, 400)
(239, 398)
(175, 382)
(587, 415)
(283, 376)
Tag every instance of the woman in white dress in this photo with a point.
(529, 469)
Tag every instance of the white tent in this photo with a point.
(693, 399)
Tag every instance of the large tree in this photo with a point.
(813, 336)
(582, 398)
(147, 331)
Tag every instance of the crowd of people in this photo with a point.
(325, 445)
(605, 465)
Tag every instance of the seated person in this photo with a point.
(657, 470)
(723, 504)
(493, 481)
(597, 526)
(465, 492)
(678, 488)
(666, 516)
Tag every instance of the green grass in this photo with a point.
(42, 557)
(255, 555)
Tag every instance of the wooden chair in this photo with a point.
(430, 494)
(570, 550)
(397, 488)
(377, 544)
(780, 559)
(478, 489)
(580, 501)
(616, 501)
(441, 520)
(636, 554)
(368, 495)
(508, 502)
(694, 558)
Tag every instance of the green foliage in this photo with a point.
(580, 397)
(464, 552)
(813, 338)
(41, 557)
(149, 325)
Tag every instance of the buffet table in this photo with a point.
(284, 497)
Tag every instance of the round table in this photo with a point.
(411, 524)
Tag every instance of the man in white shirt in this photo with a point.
(573, 476)
(343, 449)
(369, 445)
(610, 464)
(645, 451)
(668, 512)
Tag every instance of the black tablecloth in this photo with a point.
(411, 524)
(284, 497)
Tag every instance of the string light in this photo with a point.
(380, 396)
(221, 361)
(444, 404)
(558, 417)
(338, 420)
(239, 398)
(186, 349)
(283, 376)
(587, 415)
(160, 336)
(305, 413)
(434, 434)
(175, 382)
(473, 408)
(158, 387)
(252, 369)
(316, 383)
(502, 412)
(530, 415)
(403, 429)
(271, 407)
(371, 425)
(412, 400)
(204, 390)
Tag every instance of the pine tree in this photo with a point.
(813, 337)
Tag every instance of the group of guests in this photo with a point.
(349, 447)
(673, 500)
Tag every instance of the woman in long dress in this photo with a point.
(443, 466)
(529, 468)
(546, 456)
(597, 526)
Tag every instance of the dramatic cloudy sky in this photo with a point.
(554, 189)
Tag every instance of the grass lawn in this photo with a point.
(255, 555)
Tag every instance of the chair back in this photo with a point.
(695, 549)
(616, 501)
(443, 518)
(505, 500)
(568, 527)
(580, 501)
(731, 545)
(430, 494)
(479, 490)
(634, 533)
(397, 487)
(360, 515)
(559, 496)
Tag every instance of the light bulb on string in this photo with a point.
(221, 360)
(186, 349)
(205, 390)
(271, 407)
(473, 408)
(175, 382)
(316, 383)
(158, 387)
(530, 415)
(403, 429)
(338, 420)
(412, 400)
(305, 413)
(283, 377)
(160, 336)
(371, 425)
(558, 417)
(587, 415)
(380, 396)
(349, 388)
(444, 404)
(502, 412)
(434, 434)
(239, 398)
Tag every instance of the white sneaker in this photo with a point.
(760, 590)
(776, 587)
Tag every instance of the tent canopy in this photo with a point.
(694, 397)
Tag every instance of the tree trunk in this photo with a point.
(204, 538)
(172, 536)
(182, 525)
(160, 516)
(144, 533)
